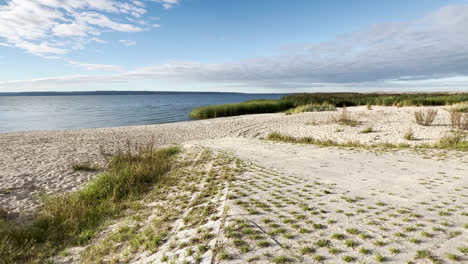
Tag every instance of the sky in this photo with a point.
(256, 46)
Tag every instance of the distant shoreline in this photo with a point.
(77, 93)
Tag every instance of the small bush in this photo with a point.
(311, 108)
(409, 135)
(345, 119)
(459, 120)
(425, 117)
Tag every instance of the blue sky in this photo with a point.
(243, 45)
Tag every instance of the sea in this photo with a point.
(59, 111)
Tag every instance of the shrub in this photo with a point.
(459, 115)
(425, 117)
(345, 119)
(312, 108)
(409, 135)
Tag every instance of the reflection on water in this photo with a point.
(28, 113)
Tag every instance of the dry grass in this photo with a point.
(425, 117)
(455, 141)
(345, 119)
(311, 108)
(459, 120)
(409, 135)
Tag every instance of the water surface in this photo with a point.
(58, 112)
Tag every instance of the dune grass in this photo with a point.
(356, 99)
(459, 115)
(453, 141)
(309, 101)
(74, 218)
(461, 107)
(311, 108)
(249, 107)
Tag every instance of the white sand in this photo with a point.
(399, 193)
(34, 163)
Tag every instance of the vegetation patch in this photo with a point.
(459, 115)
(311, 108)
(397, 99)
(345, 119)
(454, 141)
(85, 166)
(425, 117)
(316, 101)
(249, 107)
(74, 218)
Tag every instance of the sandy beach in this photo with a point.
(36, 163)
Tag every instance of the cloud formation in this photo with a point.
(434, 46)
(53, 27)
(406, 54)
(167, 3)
(96, 67)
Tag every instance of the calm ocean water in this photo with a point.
(30, 113)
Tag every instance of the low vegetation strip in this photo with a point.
(453, 141)
(356, 99)
(74, 218)
(249, 107)
(310, 101)
(311, 108)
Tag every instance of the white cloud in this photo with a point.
(60, 25)
(127, 42)
(97, 67)
(431, 51)
(167, 3)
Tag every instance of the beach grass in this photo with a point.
(249, 107)
(453, 141)
(305, 102)
(311, 108)
(397, 99)
(74, 218)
